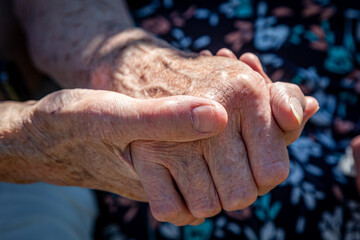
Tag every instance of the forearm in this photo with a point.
(64, 36)
(14, 142)
(92, 44)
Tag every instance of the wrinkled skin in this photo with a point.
(104, 51)
(186, 182)
(285, 97)
(80, 137)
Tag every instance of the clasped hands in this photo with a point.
(191, 134)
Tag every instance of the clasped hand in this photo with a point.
(190, 156)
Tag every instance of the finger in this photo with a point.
(264, 140)
(165, 203)
(194, 181)
(288, 104)
(178, 118)
(287, 101)
(355, 145)
(290, 107)
(230, 170)
(197, 222)
(253, 61)
(312, 106)
(224, 52)
(205, 53)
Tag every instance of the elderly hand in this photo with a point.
(284, 98)
(82, 137)
(186, 182)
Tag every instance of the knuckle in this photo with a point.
(271, 174)
(295, 87)
(286, 89)
(240, 198)
(203, 208)
(165, 212)
(284, 85)
(278, 93)
(238, 87)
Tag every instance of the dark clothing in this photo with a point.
(312, 43)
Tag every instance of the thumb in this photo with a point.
(177, 118)
(290, 107)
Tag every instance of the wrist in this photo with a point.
(14, 144)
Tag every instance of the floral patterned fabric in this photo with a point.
(312, 43)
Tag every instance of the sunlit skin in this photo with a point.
(131, 142)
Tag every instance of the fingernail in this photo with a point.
(203, 119)
(296, 109)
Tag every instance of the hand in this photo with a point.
(186, 182)
(129, 63)
(286, 98)
(82, 137)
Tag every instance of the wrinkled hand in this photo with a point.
(186, 182)
(83, 136)
(286, 98)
